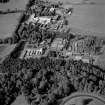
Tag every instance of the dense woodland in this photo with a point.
(46, 81)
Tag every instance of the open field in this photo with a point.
(19, 4)
(87, 17)
(6, 50)
(79, 31)
(80, 2)
(8, 22)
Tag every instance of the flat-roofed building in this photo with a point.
(58, 44)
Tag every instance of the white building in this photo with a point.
(43, 20)
(52, 9)
(31, 53)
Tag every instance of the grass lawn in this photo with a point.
(5, 50)
(20, 100)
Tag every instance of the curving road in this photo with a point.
(84, 99)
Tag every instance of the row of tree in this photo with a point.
(4, 1)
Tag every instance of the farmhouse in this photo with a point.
(41, 20)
